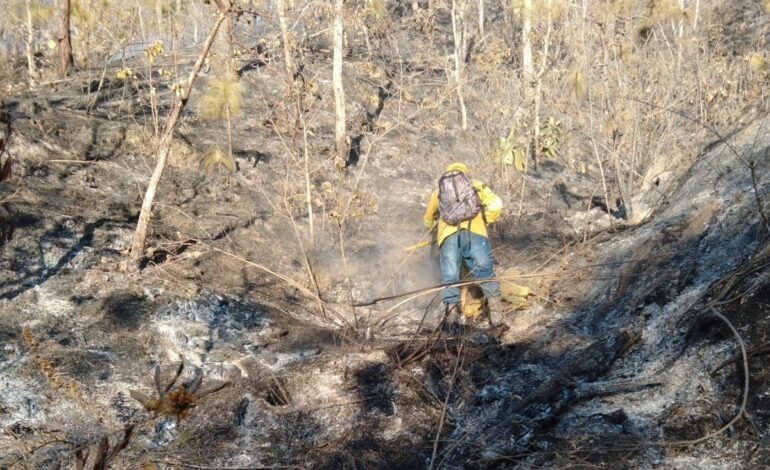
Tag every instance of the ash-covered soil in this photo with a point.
(616, 359)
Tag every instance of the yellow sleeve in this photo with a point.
(492, 203)
(431, 213)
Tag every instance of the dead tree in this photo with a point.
(164, 147)
(66, 61)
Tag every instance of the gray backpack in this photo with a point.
(458, 201)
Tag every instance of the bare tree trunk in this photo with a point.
(65, 43)
(280, 5)
(458, 30)
(591, 126)
(340, 135)
(159, 17)
(145, 215)
(31, 66)
(369, 53)
(527, 66)
(538, 94)
(695, 16)
(528, 75)
(481, 19)
(536, 147)
(231, 67)
(230, 71)
(680, 34)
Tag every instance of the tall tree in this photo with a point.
(280, 6)
(340, 134)
(481, 19)
(66, 61)
(31, 65)
(527, 66)
(164, 147)
(537, 80)
(458, 31)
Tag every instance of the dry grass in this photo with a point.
(221, 95)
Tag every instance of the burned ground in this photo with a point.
(614, 361)
(564, 385)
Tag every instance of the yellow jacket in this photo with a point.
(492, 206)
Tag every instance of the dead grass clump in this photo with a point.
(223, 96)
(216, 157)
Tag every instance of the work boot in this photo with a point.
(452, 318)
(494, 311)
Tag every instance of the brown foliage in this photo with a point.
(174, 402)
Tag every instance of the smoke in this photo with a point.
(378, 262)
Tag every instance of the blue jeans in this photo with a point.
(476, 252)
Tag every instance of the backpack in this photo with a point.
(458, 200)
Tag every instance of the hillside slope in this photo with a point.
(615, 353)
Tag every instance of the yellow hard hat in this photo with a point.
(457, 166)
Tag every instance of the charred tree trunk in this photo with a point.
(66, 61)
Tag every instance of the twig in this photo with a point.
(82, 162)
(207, 467)
(307, 292)
(261, 267)
(760, 209)
(308, 266)
(6, 199)
(98, 90)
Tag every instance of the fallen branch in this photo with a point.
(80, 162)
(598, 389)
(561, 274)
(207, 467)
